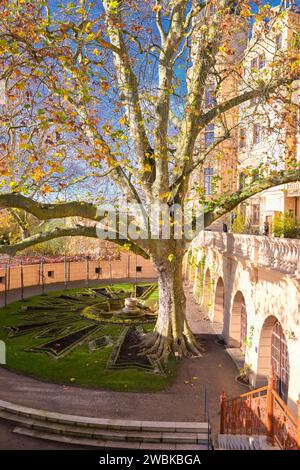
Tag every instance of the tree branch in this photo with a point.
(50, 211)
(170, 44)
(78, 231)
(206, 46)
(262, 90)
(199, 161)
(129, 91)
(231, 202)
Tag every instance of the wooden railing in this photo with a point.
(261, 412)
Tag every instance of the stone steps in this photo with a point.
(106, 444)
(243, 442)
(109, 433)
(237, 442)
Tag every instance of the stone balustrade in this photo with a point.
(293, 188)
(280, 254)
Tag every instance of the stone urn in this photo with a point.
(130, 304)
(131, 310)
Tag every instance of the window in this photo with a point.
(295, 42)
(256, 134)
(2, 279)
(138, 269)
(255, 174)
(208, 181)
(210, 99)
(254, 63)
(278, 42)
(254, 101)
(280, 361)
(255, 214)
(98, 270)
(242, 180)
(209, 135)
(258, 62)
(243, 138)
(261, 61)
(50, 274)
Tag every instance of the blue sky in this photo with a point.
(277, 2)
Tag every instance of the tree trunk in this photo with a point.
(172, 333)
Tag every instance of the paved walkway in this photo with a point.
(183, 401)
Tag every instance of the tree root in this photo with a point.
(158, 347)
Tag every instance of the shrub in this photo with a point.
(286, 226)
(239, 224)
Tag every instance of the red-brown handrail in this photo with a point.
(285, 424)
(261, 411)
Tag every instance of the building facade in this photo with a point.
(269, 133)
(264, 136)
(250, 288)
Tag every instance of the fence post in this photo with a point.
(223, 399)
(42, 276)
(298, 424)
(5, 286)
(8, 275)
(22, 280)
(88, 271)
(65, 272)
(110, 272)
(270, 408)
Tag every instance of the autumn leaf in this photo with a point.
(46, 189)
(156, 8)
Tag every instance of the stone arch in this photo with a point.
(273, 352)
(238, 322)
(219, 302)
(206, 301)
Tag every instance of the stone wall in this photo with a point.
(257, 275)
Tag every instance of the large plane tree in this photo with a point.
(105, 101)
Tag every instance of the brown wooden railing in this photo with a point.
(261, 412)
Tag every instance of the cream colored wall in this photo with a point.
(266, 293)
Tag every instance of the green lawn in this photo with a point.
(80, 366)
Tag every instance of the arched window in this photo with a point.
(280, 360)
